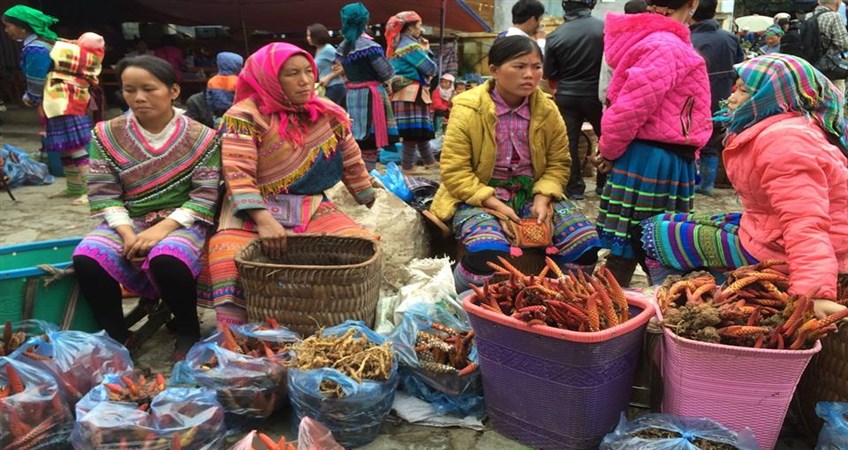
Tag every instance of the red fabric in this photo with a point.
(439, 104)
(393, 27)
(793, 186)
(259, 81)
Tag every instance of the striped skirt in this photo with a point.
(644, 182)
(218, 284)
(67, 133)
(105, 246)
(360, 108)
(573, 233)
(413, 119)
(688, 242)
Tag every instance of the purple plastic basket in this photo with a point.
(554, 393)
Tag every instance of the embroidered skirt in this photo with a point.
(218, 284)
(67, 133)
(644, 182)
(573, 233)
(105, 246)
(360, 108)
(413, 119)
(688, 241)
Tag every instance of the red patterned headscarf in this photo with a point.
(259, 80)
(393, 27)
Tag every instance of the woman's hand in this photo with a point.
(272, 235)
(128, 235)
(148, 238)
(425, 44)
(501, 207)
(824, 308)
(602, 164)
(540, 208)
(323, 82)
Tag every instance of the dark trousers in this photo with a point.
(337, 93)
(575, 111)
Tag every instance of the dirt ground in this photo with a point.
(36, 217)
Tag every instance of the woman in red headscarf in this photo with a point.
(282, 146)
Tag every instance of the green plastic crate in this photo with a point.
(19, 271)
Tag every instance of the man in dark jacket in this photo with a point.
(573, 59)
(721, 50)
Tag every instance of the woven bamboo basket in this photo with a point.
(321, 281)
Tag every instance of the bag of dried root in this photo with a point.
(34, 413)
(438, 360)
(667, 432)
(77, 359)
(344, 377)
(245, 366)
(132, 413)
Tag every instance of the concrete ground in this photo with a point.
(36, 217)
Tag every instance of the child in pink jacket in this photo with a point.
(786, 156)
(657, 119)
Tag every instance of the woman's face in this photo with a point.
(297, 79)
(519, 76)
(15, 32)
(147, 96)
(738, 97)
(416, 29)
(772, 40)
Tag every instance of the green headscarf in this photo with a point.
(354, 19)
(35, 19)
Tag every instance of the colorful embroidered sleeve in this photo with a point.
(104, 186)
(239, 160)
(205, 180)
(418, 58)
(37, 63)
(354, 176)
(381, 65)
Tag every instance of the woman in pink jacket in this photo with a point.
(658, 117)
(786, 156)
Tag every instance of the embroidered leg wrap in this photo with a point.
(407, 155)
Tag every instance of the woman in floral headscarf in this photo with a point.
(367, 70)
(786, 157)
(410, 56)
(282, 146)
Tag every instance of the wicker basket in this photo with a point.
(321, 281)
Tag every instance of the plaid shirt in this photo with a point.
(512, 133)
(834, 34)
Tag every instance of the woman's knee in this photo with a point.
(476, 262)
(169, 267)
(86, 265)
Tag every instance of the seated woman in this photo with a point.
(154, 179)
(506, 150)
(282, 147)
(786, 157)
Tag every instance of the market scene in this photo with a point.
(432, 224)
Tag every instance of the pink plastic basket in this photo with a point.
(736, 386)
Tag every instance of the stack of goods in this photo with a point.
(131, 412)
(524, 325)
(33, 412)
(748, 340)
(662, 431)
(345, 377)
(245, 366)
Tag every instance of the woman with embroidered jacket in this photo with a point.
(506, 150)
(786, 156)
(283, 146)
(657, 118)
(154, 180)
(409, 54)
(367, 70)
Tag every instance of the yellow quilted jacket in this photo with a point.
(468, 155)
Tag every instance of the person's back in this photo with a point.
(573, 53)
(720, 50)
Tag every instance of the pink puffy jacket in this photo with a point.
(659, 89)
(793, 185)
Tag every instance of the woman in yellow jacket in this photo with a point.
(506, 154)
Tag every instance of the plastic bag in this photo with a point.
(394, 182)
(77, 359)
(22, 169)
(311, 435)
(355, 419)
(16, 334)
(37, 416)
(249, 388)
(191, 415)
(448, 393)
(834, 433)
(689, 431)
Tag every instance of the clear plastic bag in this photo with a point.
(689, 431)
(355, 419)
(22, 169)
(834, 433)
(393, 181)
(191, 415)
(16, 334)
(448, 393)
(37, 417)
(249, 388)
(311, 435)
(77, 359)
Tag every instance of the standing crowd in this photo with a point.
(664, 88)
